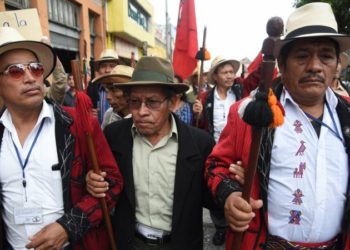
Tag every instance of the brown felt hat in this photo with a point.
(154, 71)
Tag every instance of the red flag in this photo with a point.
(186, 43)
(257, 63)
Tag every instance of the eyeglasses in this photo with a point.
(150, 104)
(17, 70)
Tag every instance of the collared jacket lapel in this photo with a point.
(188, 157)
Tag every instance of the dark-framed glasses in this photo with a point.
(135, 103)
(17, 70)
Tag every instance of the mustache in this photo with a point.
(312, 77)
(35, 87)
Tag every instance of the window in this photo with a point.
(92, 32)
(16, 4)
(64, 12)
(136, 13)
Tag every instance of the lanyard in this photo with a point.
(23, 165)
(336, 131)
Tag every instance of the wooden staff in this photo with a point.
(200, 75)
(91, 146)
(274, 29)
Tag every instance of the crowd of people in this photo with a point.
(168, 147)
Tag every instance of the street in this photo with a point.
(209, 231)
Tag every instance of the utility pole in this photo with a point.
(167, 32)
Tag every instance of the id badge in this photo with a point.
(28, 215)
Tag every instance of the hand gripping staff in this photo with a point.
(261, 111)
(84, 105)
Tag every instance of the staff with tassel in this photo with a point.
(261, 112)
(202, 55)
(84, 105)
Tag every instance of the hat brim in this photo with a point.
(45, 54)
(342, 40)
(178, 87)
(98, 61)
(236, 64)
(111, 78)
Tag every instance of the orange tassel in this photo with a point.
(206, 55)
(277, 110)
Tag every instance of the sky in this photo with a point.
(235, 29)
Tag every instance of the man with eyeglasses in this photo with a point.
(161, 159)
(44, 157)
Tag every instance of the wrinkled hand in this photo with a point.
(52, 236)
(197, 107)
(96, 184)
(237, 172)
(239, 212)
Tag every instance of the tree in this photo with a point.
(341, 9)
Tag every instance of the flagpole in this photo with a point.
(167, 31)
(200, 75)
(200, 78)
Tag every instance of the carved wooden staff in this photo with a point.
(200, 75)
(274, 29)
(84, 117)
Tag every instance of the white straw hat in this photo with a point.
(217, 61)
(11, 39)
(106, 55)
(119, 74)
(312, 20)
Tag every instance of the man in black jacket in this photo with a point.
(162, 162)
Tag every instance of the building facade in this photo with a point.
(75, 28)
(130, 28)
(81, 29)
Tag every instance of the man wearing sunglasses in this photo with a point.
(161, 159)
(43, 158)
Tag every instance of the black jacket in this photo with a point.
(190, 192)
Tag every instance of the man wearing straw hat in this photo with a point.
(212, 109)
(104, 65)
(161, 159)
(44, 157)
(117, 98)
(300, 195)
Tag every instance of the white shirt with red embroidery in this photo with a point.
(308, 176)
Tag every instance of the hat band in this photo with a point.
(310, 30)
(109, 57)
(142, 75)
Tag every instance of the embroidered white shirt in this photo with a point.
(308, 176)
(220, 111)
(44, 186)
